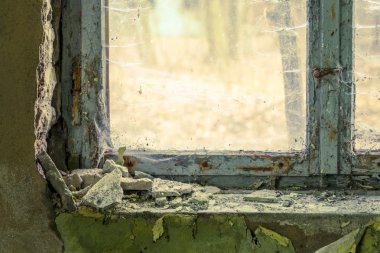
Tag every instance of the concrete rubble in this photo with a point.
(89, 176)
(145, 193)
(263, 196)
(131, 184)
(167, 188)
(54, 177)
(102, 188)
(106, 192)
(110, 165)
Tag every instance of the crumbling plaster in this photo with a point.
(27, 218)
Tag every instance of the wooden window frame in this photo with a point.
(329, 158)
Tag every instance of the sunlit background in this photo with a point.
(367, 74)
(208, 74)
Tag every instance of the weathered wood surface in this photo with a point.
(239, 163)
(84, 84)
(329, 88)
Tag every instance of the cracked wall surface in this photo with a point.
(26, 222)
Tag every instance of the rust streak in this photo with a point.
(205, 165)
(76, 92)
(251, 168)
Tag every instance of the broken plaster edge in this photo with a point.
(45, 114)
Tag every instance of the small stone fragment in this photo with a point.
(72, 188)
(167, 188)
(199, 201)
(79, 194)
(140, 174)
(110, 165)
(74, 180)
(89, 176)
(130, 184)
(175, 202)
(212, 189)
(287, 203)
(161, 201)
(55, 178)
(106, 192)
(263, 196)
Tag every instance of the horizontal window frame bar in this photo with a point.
(218, 163)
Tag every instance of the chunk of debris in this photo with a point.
(346, 244)
(263, 196)
(176, 202)
(167, 188)
(55, 179)
(211, 189)
(272, 241)
(89, 176)
(161, 201)
(110, 165)
(106, 192)
(140, 174)
(75, 180)
(131, 184)
(79, 194)
(199, 201)
(287, 203)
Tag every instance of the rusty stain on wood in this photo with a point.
(333, 12)
(280, 165)
(205, 165)
(254, 168)
(76, 92)
(332, 133)
(129, 162)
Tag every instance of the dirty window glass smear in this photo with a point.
(207, 74)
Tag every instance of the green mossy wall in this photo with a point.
(92, 232)
(181, 233)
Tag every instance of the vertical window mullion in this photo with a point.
(328, 86)
(83, 82)
(330, 96)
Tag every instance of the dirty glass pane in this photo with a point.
(207, 74)
(367, 74)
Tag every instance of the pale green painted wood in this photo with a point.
(313, 60)
(84, 90)
(329, 87)
(71, 54)
(95, 119)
